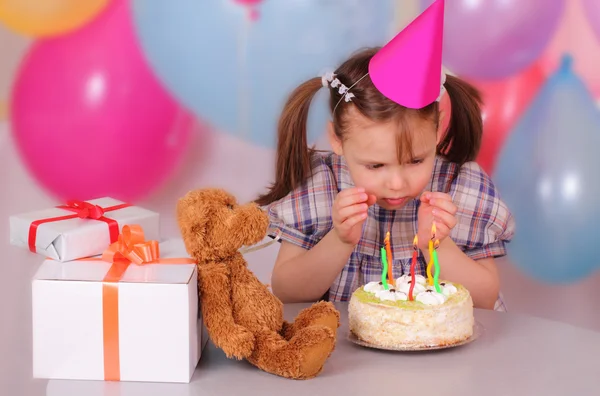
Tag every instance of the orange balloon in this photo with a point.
(3, 110)
(42, 18)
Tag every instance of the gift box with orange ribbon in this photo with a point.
(130, 315)
(79, 229)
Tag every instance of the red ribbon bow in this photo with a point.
(83, 210)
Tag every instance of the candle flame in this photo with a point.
(415, 242)
(387, 237)
(433, 229)
(436, 244)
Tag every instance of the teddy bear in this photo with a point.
(241, 315)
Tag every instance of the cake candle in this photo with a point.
(388, 252)
(430, 264)
(436, 274)
(385, 267)
(413, 266)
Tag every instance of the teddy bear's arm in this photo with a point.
(215, 294)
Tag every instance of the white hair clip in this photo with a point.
(327, 78)
(335, 83)
(343, 89)
(442, 88)
(348, 97)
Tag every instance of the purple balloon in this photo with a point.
(591, 9)
(494, 39)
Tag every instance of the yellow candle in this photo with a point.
(429, 276)
(431, 258)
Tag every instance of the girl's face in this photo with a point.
(371, 153)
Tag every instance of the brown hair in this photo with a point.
(460, 143)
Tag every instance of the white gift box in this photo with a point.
(159, 333)
(75, 238)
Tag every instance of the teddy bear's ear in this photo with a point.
(192, 215)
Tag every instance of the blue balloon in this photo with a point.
(238, 74)
(548, 175)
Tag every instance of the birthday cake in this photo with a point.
(440, 315)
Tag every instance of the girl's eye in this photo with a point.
(374, 166)
(416, 161)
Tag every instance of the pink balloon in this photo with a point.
(592, 11)
(248, 2)
(89, 117)
(576, 36)
(253, 13)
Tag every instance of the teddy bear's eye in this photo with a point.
(230, 206)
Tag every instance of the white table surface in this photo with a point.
(515, 355)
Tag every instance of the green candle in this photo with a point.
(436, 265)
(385, 268)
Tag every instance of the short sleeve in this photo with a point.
(485, 223)
(303, 217)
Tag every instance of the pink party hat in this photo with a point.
(408, 69)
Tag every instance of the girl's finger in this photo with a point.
(444, 205)
(444, 217)
(349, 211)
(442, 230)
(439, 195)
(354, 220)
(351, 197)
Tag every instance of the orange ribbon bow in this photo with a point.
(129, 248)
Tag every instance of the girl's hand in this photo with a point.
(349, 212)
(435, 207)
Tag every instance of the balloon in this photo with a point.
(504, 102)
(238, 75)
(547, 174)
(48, 17)
(576, 37)
(3, 110)
(592, 11)
(248, 2)
(89, 117)
(493, 39)
(251, 4)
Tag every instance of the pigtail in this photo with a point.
(293, 164)
(462, 139)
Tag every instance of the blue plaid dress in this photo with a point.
(303, 217)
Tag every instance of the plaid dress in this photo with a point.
(303, 217)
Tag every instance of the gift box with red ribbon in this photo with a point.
(130, 315)
(79, 229)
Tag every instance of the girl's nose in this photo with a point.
(396, 181)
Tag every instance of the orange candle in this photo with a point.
(388, 251)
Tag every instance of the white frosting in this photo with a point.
(424, 294)
(448, 288)
(373, 287)
(405, 288)
(430, 297)
(391, 295)
(421, 280)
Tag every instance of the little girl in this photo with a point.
(392, 169)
